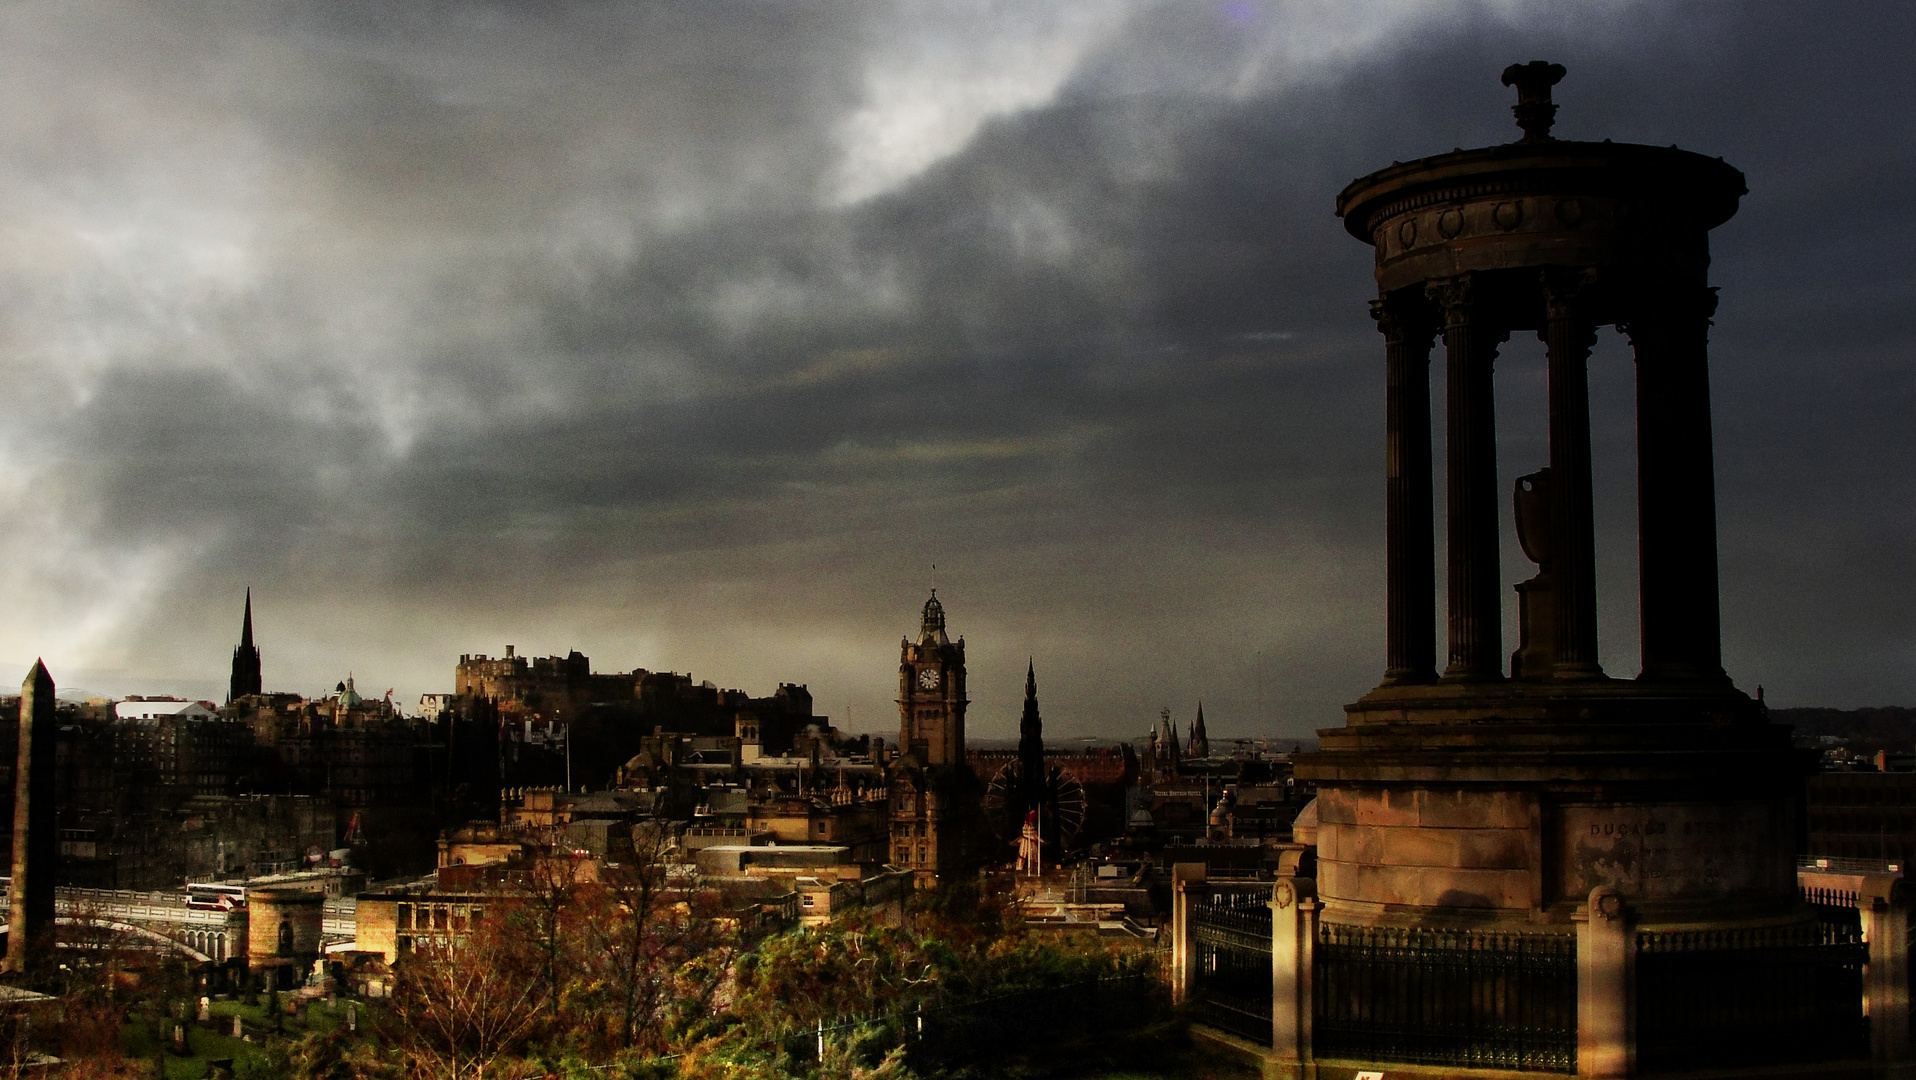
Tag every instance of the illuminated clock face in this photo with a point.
(928, 678)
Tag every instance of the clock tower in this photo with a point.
(931, 692)
(934, 797)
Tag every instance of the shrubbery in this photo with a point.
(608, 981)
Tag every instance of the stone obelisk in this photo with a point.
(30, 923)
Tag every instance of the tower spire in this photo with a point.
(1168, 749)
(1200, 742)
(931, 627)
(246, 674)
(1032, 776)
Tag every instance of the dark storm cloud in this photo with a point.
(691, 335)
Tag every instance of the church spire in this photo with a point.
(1167, 742)
(1200, 742)
(246, 674)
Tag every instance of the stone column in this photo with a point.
(1568, 336)
(1187, 881)
(1676, 485)
(1293, 945)
(1410, 577)
(1886, 979)
(1475, 614)
(35, 841)
(1606, 986)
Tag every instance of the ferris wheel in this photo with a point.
(1061, 811)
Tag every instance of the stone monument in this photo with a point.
(35, 839)
(1515, 796)
(283, 934)
(1553, 868)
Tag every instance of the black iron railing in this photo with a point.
(1437, 997)
(1233, 932)
(1729, 998)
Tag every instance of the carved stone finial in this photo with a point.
(1534, 110)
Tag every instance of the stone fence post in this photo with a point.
(1187, 881)
(1886, 978)
(1293, 944)
(1606, 986)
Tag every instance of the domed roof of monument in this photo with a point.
(1304, 826)
(1702, 189)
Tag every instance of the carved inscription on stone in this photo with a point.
(1669, 851)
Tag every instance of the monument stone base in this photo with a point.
(1507, 803)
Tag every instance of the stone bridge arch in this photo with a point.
(185, 944)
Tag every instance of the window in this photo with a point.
(806, 900)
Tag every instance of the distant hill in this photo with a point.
(1890, 727)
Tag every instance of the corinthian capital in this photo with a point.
(1567, 290)
(1667, 310)
(1567, 295)
(1401, 319)
(1455, 297)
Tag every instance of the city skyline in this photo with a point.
(574, 331)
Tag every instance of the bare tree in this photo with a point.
(461, 1006)
(635, 933)
(101, 970)
(539, 911)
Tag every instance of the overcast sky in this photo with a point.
(691, 335)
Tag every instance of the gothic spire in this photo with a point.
(1031, 766)
(246, 674)
(1167, 739)
(1200, 742)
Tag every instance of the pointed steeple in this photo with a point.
(246, 673)
(1167, 742)
(1200, 742)
(1031, 766)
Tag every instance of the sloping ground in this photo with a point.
(1889, 727)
